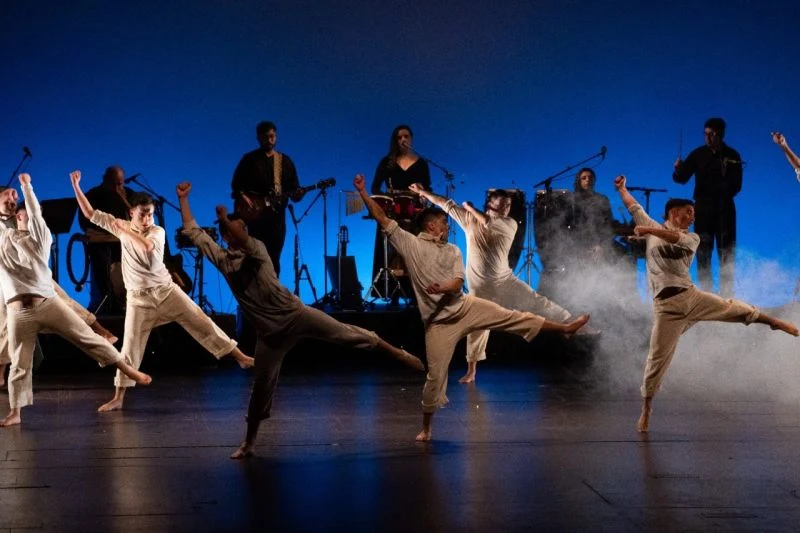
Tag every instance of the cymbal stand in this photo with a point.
(530, 249)
(449, 187)
(384, 275)
(198, 283)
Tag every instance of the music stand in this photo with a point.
(58, 214)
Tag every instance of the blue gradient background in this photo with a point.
(502, 93)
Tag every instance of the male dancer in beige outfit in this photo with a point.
(8, 219)
(32, 305)
(677, 303)
(153, 299)
(489, 276)
(280, 318)
(437, 276)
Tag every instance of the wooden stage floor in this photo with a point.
(525, 448)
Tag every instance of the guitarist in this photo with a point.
(262, 181)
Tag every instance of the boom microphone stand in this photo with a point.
(14, 173)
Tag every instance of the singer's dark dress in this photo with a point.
(395, 179)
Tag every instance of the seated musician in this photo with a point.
(396, 171)
(262, 182)
(104, 249)
(592, 222)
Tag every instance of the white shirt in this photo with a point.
(429, 261)
(487, 245)
(667, 263)
(25, 255)
(140, 269)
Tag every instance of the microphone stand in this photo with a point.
(299, 269)
(160, 199)
(15, 172)
(449, 185)
(647, 192)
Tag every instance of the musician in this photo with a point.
(262, 181)
(780, 140)
(395, 172)
(718, 178)
(592, 220)
(105, 252)
(401, 166)
(490, 234)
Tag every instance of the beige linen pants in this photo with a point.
(149, 308)
(673, 316)
(441, 339)
(51, 315)
(511, 293)
(81, 311)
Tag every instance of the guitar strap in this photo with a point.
(277, 160)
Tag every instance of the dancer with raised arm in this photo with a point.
(437, 275)
(780, 140)
(489, 276)
(677, 303)
(32, 306)
(8, 219)
(280, 318)
(153, 299)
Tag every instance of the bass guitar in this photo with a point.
(252, 206)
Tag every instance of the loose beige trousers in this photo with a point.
(51, 315)
(511, 293)
(81, 311)
(441, 338)
(149, 308)
(673, 316)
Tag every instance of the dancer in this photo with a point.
(280, 318)
(677, 303)
(8, 218)
(489, 276)
(780, 140)
(437, 275)
(32, 306)
(153, 299)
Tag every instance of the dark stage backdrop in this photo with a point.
(503, 93)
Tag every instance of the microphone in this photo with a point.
(27, 151)
(603, 151)
(133, 178)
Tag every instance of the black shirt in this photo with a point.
(255, 174)
(396, 178)
(717, 175)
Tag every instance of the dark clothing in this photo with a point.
(718, 178)
(395, 178)
(591, 222)
(255, 175)
(102, 255)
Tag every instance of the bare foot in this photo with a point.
(113, 405)
(643, 424)
(140, 378)
(412, 361)
(424, 435)
(469, 377)
(788, 327)
(244, 451)
(14, 418)
(575, 325)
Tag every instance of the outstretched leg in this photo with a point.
(778, 324)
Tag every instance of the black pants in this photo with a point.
(101, 257)
(715, 223)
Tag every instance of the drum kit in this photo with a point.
(404, 208)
